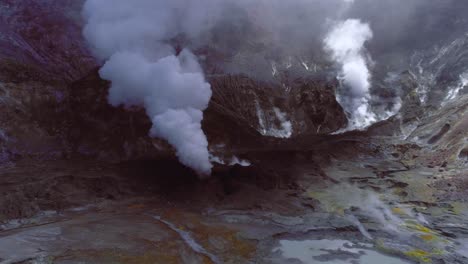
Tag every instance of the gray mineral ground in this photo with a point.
(233, 131)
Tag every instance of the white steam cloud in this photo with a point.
(346, 42)
(140, 42)
(132, 37)
(146, 47)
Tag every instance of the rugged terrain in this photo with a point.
(82, 182)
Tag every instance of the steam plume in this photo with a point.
(346, 44)
(132, 37)
(147, 48)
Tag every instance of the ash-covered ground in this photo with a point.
(233, 132)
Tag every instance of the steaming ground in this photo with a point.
(323, 204)
(346, 42)
(155, 55)
(145, 71)
(148, 52)
(140, 44)
(91, 176)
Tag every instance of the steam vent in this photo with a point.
(233, 131)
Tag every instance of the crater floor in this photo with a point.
(367, 202)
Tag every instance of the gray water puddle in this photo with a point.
(334, 251)
(27, 244)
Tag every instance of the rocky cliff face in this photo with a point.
(242, 113)
(79, 120)
(306, 107)
(54, 102)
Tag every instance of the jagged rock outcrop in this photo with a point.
(315, 109)
(308, 106)
(445, 132)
